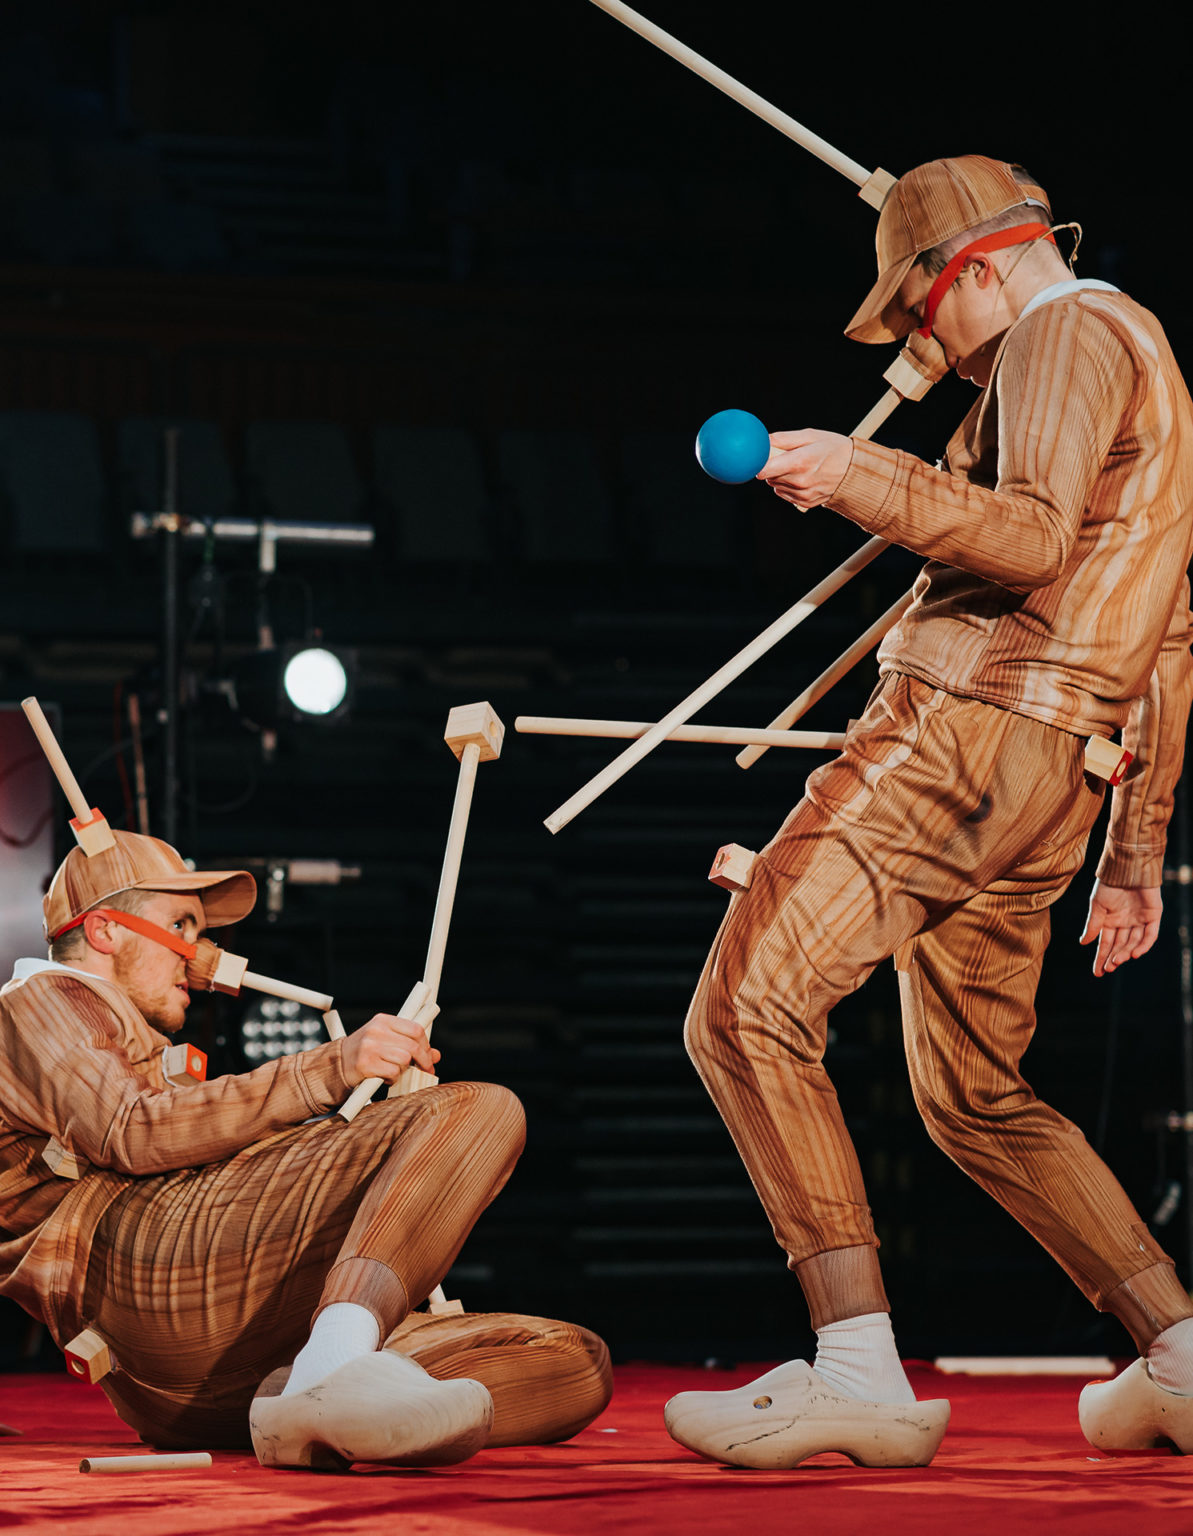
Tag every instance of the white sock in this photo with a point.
(857, 1357)
(342, 1332)
(1170, 1358)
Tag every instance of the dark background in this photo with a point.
(525, 246)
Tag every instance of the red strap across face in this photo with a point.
(138, 925)
(1019, 235)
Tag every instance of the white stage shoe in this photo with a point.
(378, 1408)
(1131, 1413)
(790, 1414)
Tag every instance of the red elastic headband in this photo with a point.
(1019, 235)
(138, 925)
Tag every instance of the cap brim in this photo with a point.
(229, 894)
(880, 318)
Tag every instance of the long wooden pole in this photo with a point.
(872, 185)
(720, 735)
(831, 675)
(721, 679)
(56, 758)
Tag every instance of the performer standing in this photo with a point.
(1055, 605)
(196, 1227)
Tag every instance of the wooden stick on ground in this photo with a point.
(164, 1461)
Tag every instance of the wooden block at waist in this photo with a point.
(185, 1061)
(733, 867)
(88, 1358)
(477, 723)
(65, 1164)
(1107, 759)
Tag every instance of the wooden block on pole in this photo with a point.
(88, 1358)
(733, 867)
(875, 188)
(477, 723)
(1107, 760)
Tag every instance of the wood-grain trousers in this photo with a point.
(205, 1280)
(942, 835)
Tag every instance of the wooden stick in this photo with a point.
(56, 758)
(831, 675)
(873, 185)
(90, 827)
(134, 722)
(475, 734)
(333, 1024)
(319, 1001)
(877, 414)
(363, 1092)
(722, 735)
(450, 873)
(732, 669)
(171, 1461)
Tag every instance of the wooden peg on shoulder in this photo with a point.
(184, 1061)
(88, 1358)
(733, 867)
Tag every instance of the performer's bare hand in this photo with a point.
(806, 467)
(385, 1047)
(1124, 922)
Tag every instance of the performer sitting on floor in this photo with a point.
(196, 1227)
(1055, 605)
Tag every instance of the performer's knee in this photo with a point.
(957, 1122)
(496, 1113)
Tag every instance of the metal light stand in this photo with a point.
(173, 525)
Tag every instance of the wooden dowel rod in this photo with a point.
(709, 689)
(319, 1001)
(56, 759)
(450, 873)
(871, 422)
(415, 1001)
(334, 1025)
(831, 675)
(167, 1461)
(722, 735)
(686, 56)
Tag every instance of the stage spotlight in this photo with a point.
(300, 681)
(315, 680)
(274, 1027)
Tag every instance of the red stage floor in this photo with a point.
(1013, 1460)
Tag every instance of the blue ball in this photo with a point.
(732, 447)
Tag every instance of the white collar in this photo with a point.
(23, 969)
(1067, 286)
